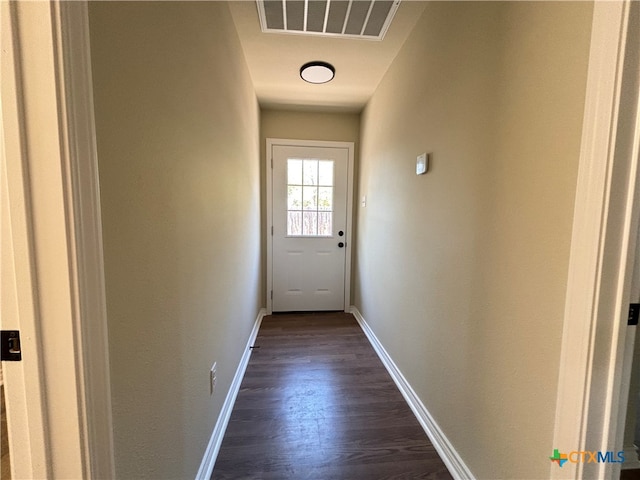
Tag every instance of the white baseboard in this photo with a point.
(448, 453)
(211, 453)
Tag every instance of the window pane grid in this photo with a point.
(309, 197)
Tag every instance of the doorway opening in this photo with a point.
(309, 225)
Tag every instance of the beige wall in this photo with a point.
(301, 125)
(177, 128)
(461, 272)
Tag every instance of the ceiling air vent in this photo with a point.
(368, 19)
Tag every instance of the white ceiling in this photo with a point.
(274, 61)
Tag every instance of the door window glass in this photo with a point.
(309, 197)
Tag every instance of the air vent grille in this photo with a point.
(368, 19)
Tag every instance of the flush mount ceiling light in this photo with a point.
(317, 72)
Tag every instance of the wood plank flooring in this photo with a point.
(633, 474)
(317, 403)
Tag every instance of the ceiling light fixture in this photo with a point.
(317, 72)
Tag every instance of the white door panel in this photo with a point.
(309, 199)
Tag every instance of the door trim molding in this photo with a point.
(601, 256)
(350, 146)
(54, 214)
(27, 420)
(85, 219)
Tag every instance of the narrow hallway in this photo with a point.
(317, 403)
(177, 106)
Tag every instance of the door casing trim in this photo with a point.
(63, 429)
(607, 209)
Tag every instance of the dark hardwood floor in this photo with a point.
(630, 474)
(317, 403)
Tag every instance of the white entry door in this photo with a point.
(309, 218)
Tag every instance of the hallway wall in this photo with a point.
(461, 273)
(303, 125)
(178, 151)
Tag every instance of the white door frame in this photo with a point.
(58, 396)
(269, 230)
(601, 264)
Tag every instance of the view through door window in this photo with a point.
(309, 197)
